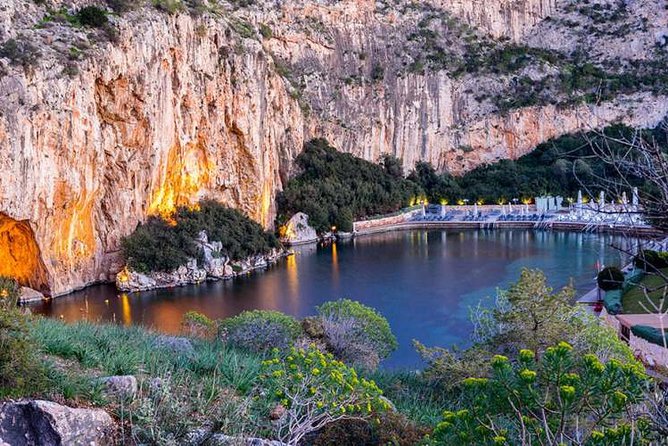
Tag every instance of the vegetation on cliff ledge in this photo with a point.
(164, 244)
(335, 188)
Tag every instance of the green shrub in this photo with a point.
(266, 31)
(587, 399)
(20, 52)
(196, 324)
(260, 330)
(356, 333)
(121, 6)
(334, 188)
(20, 368)
(169, 6)
(651, 334)
(610, 278)
(649, 260)
(161, 245)
(92, 16)
(317, 390)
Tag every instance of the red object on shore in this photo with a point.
(598, 306)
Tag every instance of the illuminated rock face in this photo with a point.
(184, 107)
(20, 256)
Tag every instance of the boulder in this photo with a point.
(204, 437)
(297, 231)
(30, 295)
(45, 423)
(128, 280)
(120, 386)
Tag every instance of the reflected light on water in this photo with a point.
(423, 282)
(126, 312)
(292, 278)
(335, 264)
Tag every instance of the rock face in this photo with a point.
(298, 231)
(44, 423)
(99, 129)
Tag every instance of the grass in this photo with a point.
(213, 385)
(634, 299)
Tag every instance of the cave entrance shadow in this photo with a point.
(20, 256)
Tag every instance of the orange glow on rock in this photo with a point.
(20, 256)
(187, 174)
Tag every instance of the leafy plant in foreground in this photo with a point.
(562, 398)
(315, 390)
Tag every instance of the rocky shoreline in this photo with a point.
(215, 266)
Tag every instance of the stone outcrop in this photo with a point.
(100, 129)
(44, 423)
(120, 386)
(297, 231)
(215, 267)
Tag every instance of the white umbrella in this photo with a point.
(510, 208)
(579, 197)
(475, 209)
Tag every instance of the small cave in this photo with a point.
(20, 256)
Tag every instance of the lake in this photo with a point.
(423, 282)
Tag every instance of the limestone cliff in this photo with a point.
(101, 127)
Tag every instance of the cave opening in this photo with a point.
(20, 256)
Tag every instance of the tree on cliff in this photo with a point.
(335, 188)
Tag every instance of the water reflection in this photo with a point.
(424, 282)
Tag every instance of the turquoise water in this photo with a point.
(424, 282)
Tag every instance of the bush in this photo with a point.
(316, 390)
(266, 31)
(169, 6)
(259, 330)
(587, 399)
(610, 278)
(121, 6)
(335, 188)
(19, 364)
(92, 16)
(20, 52)
(356, 333)
(196, 324)
(651, 260)
(162, 245)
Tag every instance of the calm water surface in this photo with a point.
(424, 282)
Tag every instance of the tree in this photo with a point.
(528, 314)
(563, 398)
(315, 390)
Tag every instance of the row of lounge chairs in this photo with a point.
(512, 217)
